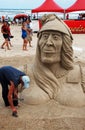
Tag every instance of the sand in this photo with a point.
(37, 117)
(16, 50)
(17, 43)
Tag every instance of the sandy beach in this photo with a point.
(16, 50)
(17, 42)
(17, 57)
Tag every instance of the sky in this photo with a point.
(31, 4)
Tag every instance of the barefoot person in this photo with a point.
(10, 35)
(29, 32)
(10, 78)
(24, 35)
(6, 32)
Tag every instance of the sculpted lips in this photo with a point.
(48, 50)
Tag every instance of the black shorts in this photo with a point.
(6, 36)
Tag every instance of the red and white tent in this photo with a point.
(48, 6)
(79, 5)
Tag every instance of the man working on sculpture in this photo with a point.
(56, 76)
(10, 78)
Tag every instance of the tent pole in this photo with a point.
(37, 15)
(64, 14)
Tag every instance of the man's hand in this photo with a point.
(14, 112)
(10, 98)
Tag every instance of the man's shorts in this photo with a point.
(29, 38)
(6, 36)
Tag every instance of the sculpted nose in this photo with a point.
(49, 40)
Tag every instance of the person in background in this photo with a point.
(34, 17)
(79, 16)
(6, 32)
(10, 35)
(10, 78)
(0, 19)
(6, 18)
(67, 16)
(29, 31)
(3, 18)
(24, 35)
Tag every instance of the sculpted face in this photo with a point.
(50, 46)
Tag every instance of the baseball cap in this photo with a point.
(26, 81)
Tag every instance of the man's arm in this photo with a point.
(10, 94)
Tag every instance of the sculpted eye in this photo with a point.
(45, 36)
(55, 36)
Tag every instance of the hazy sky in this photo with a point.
(31, 4)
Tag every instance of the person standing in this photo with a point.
(6, 32)
(24, 35)
(29, 32)
(10, 35)
(10, 78)
(67, 16)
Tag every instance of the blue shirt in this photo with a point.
(8, 73)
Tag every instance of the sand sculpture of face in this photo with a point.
(54, 72)
(50, 49)
(55, 42)
(54, 47)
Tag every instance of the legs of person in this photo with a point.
(29, 40)
(30, 44)
(7, 44)
(25, 44)
(10, 42)
(5, 93)
(2, 46)
(5, 36)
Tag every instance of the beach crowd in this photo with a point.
(26, 34)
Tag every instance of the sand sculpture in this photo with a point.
(55, 74)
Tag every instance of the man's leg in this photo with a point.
(5, 93)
